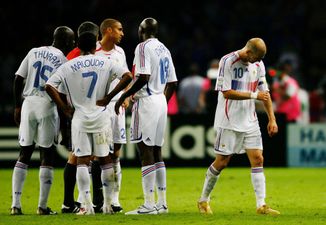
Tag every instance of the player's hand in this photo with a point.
(125, 103)
(263, 95)
(17, 115)
(118, 104)
(272, 128)
(104, 101)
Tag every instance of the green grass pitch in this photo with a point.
(300, 195)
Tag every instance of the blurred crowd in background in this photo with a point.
(198, 35)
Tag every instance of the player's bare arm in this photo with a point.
(169, 89)
(126, 79)
(140, 82)
(238, 95)
(55, 96)
(272, 127)
(18, 89)
(126, 102)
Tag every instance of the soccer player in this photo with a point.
(84, 80)
(241, 80)
(112, 33)
(155, 82)
(36, 115)
(69, 205)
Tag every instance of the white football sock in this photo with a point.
(18, 179)
(258, 182)
(211, 178)
(107, 178)
(46, 178)
(117, 182)
(161, 183)
(83, 182)
(148, 182)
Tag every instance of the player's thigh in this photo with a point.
(81, 143)
(228, 142)
(101, 143)
(153, 116)
(161, 125)
(253, 140)
(28, 124)
(47, 132)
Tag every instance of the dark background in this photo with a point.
(196, 31)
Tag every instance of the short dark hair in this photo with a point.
(88, 26)
(87, 41)
(106, 24)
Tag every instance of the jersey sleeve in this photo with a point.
(23, 68)
(125, 65)
(56, 81)
(117, 71)
(172, 77)
(224, 80)
(142, 60)
(262, 83)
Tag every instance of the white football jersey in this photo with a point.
(238, 115)
(85, 80)
(154, 59)
(37, 67)
(118, 56)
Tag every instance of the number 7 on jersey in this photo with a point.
(93, 82)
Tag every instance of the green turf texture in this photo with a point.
(298, 193)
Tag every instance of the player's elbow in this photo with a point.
(227, 94)
(49, 89)
(172, 85)
(127, 76)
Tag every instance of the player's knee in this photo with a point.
(221, 165)
(157, 154)
(258, 161)
(221, 162)
(147, 159)
(25, 154)
(72, 159)
(24, 157)
(83, 160)
(115, 155)
(46, 155)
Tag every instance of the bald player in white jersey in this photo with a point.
(155, 82)
(112, 33)
(37, 115)
(86, 79)
(241, 80)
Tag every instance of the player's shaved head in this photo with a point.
(106, 24)
(62, 33)
(88, 26)
(257, 46)
(148, 28)
(63, 39)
